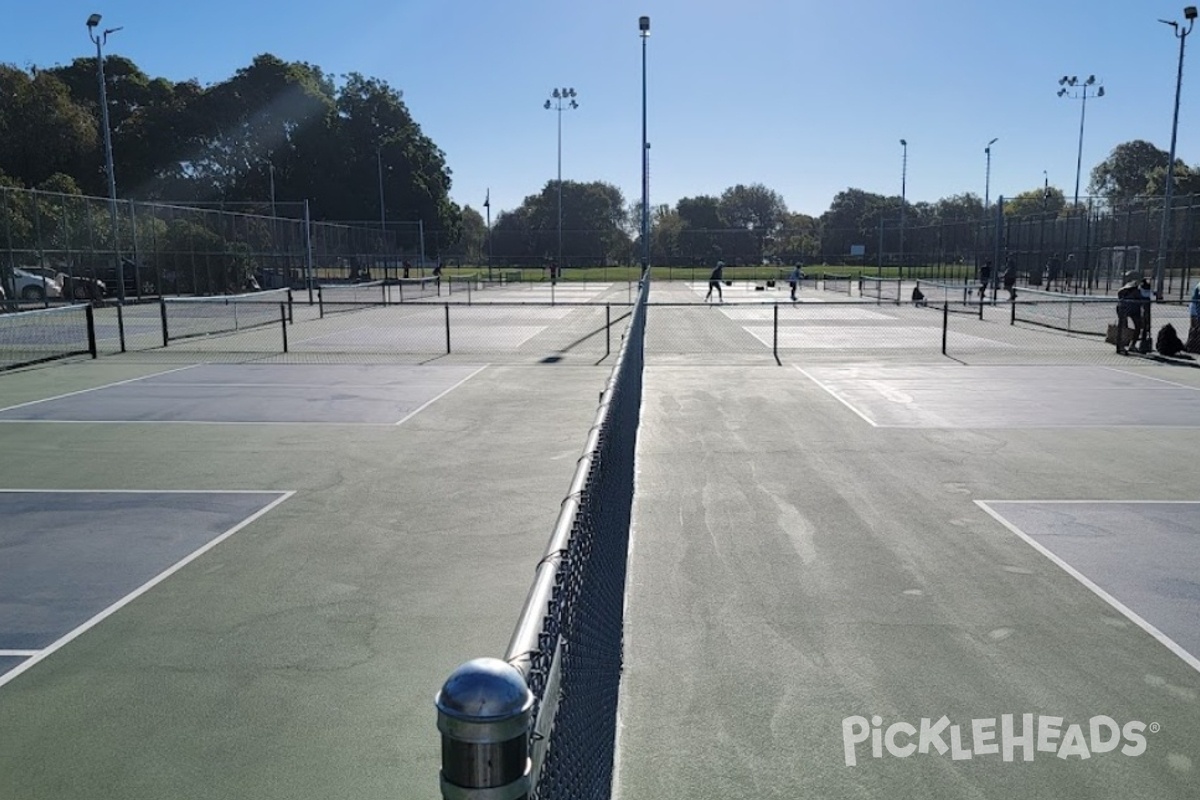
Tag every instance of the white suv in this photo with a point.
(29, 286)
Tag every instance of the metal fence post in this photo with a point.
(607, 330)
(447, 307)
(483, 713)
(283, 323)
(945, 323)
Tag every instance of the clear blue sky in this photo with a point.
(806, 97)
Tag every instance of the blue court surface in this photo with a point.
(1142, 557)
(256, 394)
(977, 397)
(73, 558)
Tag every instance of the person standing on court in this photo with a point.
(714, 282)
(1010, 278)
(1193, 338)
(1069, 273)
(794, 281)
(1053, 266)
(985, 277)
(1129, 308)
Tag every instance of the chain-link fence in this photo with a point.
(61, 246)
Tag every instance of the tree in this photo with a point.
(1187, 180)
(700, 226)
(756, 210)
(853, 218)
(594, 220)
(473, 242)
(1125, 174)
(41, 130)
(1041, 200)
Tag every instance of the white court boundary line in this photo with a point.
(150, 584)
(433, 400)
(98, 388)
(1153, 378)
(835, 396)
(1166, 641)
(18, 653)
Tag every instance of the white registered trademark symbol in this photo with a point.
(1155, 727)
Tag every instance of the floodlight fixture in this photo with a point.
(644, 25)
(1189, 12)
(93, 20)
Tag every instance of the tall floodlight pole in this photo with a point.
(487, 204)
(1181, 34)
(1066, 84)
(560, 96)
(644, 28)
(271, 169)
(903, 182)
(100, 39)
(987, 174)
(382, 207)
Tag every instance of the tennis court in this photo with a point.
(819, 532)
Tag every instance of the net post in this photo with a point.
(383, 289)
(290, 307)
(283, 323)
(1012, 320)
(607, 330)
(483, 713)
(447, 307)
(320, 304)
(162, 310)
(981, 306)
(121, 326)
(91, 330)
(775, 336)
(945, 323)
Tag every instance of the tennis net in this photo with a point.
(458, 284)
(31, 337)
(837, 283)
(567, 644)
(958, 298)
(407, 289)
(188, 317)
(1073, 313)
(339, 298)
(882, 289)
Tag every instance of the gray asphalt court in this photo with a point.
(863, 570)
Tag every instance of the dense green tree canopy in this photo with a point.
(273, 122)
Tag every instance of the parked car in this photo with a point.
(76, 288)
(30, 286)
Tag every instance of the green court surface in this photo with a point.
(300, 656)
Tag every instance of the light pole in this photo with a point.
(100, 39)
(644, 28)
(903, 181)
(987, 175)
(1066, 84)
(271, 168)
(487, 204)
(379, 172)
(1181, 34)
(560, 97)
